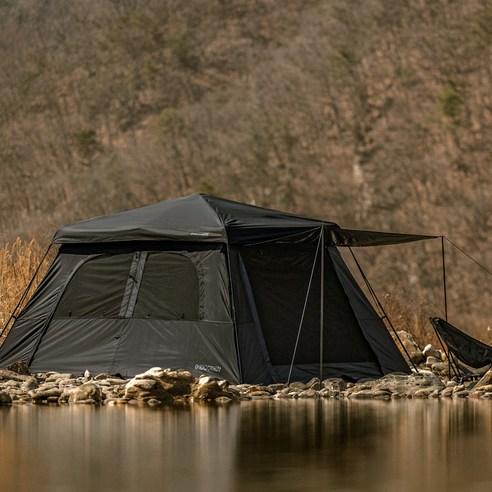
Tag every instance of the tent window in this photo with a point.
(169, 288)
(96, 289)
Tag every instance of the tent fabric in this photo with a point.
(209, 285)
(205, 218)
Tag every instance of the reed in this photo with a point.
(18, 263)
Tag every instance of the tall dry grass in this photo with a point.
(18, 263)
(411, 319)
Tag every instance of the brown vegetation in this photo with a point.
(374, 114)
(18, 264)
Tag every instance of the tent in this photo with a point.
(209, 285)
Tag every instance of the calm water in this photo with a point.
(261, 445)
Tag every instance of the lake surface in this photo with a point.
(249, 446)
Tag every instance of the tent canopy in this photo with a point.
(201, 217)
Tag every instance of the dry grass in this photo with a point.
(414, 321)
(18, 263)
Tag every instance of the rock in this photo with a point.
(370, 395)
(424, 393)
(208, 389)
(226, 399)
(285, 391)
(281, 396)
(309, 393)
(116, 401)
(5, 398)
(8, 375)
(260, 393)
(256, 388)
(461, 394)
(175, 382)
(56, 377)
(314, 384)
(274, 388)
(146, 389)
(430, 351)
(103, 376)
(408, 385)
(30, 384)
(298, 385)
(482, 386)
(327, 393)
(441, 368)
(447, 392)
(486, 379)
(41, 395)
(19, 367)
(411, 346)
(333, 387)
(431, 360)
(458, 387)
(153, 402)
(85, 392)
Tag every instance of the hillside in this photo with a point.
(373, 114)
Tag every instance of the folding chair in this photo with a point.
(463, 347)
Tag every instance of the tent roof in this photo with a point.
(201, 217)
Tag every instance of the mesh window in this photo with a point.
(169, 288)
(96, 289)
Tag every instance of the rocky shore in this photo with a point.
(168, 386)
(165, 386)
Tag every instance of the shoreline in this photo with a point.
(167, 387)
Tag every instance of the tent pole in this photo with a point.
(233, 311)
(304, 309)
(322, 304)
(444, 279)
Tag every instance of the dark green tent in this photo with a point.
(209, 285)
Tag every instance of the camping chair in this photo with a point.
(463, 347)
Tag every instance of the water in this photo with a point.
(250, 446)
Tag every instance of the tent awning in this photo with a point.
(357, 238)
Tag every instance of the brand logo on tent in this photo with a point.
(199, 233)
(206, 367)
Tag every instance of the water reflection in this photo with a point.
(259, 445)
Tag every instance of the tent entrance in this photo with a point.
(279, 274)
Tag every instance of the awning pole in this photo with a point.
(322, 304)
(444, 279)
